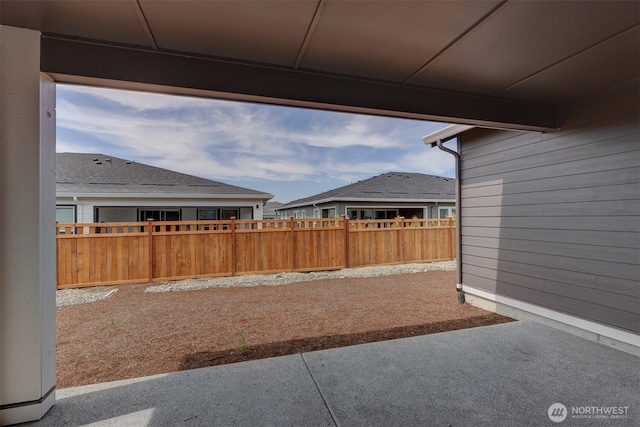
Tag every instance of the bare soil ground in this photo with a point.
(133, 333)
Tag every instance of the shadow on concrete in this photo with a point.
(304, 345)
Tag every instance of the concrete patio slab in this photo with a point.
(270, 392)
(502, 375)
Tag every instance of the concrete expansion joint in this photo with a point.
(326, 404)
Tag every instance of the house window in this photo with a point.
(329, 213)
(386, 214)
(296, 214)
(316, 213)
(303, 214)
(159, 214)
(228, 213)
(66, 214)
(446, 212)
(208, 214)
(360, 213)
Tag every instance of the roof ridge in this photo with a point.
(349, 189)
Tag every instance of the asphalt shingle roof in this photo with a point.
(390, 185)
(80, 173)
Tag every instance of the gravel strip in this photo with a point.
(66, 297)
(285, 278)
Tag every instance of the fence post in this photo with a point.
(402, 240)
(452, 238)
(347, 262)
(293, 244)
(150, 234)
(437, 233)
(234, 267)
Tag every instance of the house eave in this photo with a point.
(260, 196)
(363, 200)
(445, 134)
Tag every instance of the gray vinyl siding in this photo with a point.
(554, 219)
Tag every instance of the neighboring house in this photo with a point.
(550, 223)
(269, 211)
(384, 196)
(99, 188)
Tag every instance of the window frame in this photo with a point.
(73, 209)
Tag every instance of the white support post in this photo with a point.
(27, 223)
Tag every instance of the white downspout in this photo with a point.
(78, 204)
(459, 290)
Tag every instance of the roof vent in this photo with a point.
(98, 163)
(94, 159)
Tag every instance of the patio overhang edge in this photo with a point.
(136, 68)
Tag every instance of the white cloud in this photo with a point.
(141, 101)
(349, 131)
(224, 140)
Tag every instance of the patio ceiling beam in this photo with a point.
(85, 62)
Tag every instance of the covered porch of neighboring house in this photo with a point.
(439, 211)
(493, 64)
(68, 212)
(361, 211)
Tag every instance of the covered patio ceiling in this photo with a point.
(507, 64)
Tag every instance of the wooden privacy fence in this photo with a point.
(134, 252)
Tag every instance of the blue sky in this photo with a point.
(288, 152)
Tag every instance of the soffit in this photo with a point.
(373, 42)
(113, 21)
(266, 32)
(591, 68)
(521, 39)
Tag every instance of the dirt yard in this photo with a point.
(133, 333)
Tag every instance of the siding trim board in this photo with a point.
(550, 222)
(577, 307)
(584, 324)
